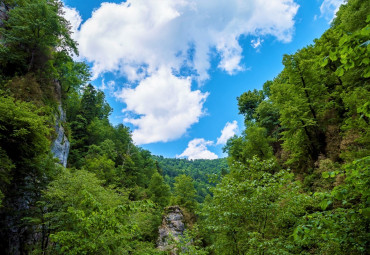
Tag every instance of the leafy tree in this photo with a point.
(261, 118)
(90, 120)
(189, 243)
(299, 113)
(318, 107)
(70, 74)
(267, 116)
(26, 167)
(253, 210)
(184, 192)
(32, 30)
(158, 191)
(102, 166)
(341, 226)
(23, 134)
(85, 217)
(93, 104)
(108, 148)
(254, 142)
(248, 102)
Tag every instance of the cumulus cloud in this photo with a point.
(166, 107)
(147, 41)
(197, 149)
(74, 17)
(109, 86)
(329, 8)
(227, 132)
(135, 38)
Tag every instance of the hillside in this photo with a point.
(299, 173)
(205, 173)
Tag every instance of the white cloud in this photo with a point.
(165, 105)
(145, 34)
(110, 86)
(329, 8)
(74, 17)
(197, 149)
(256, 43)
(227, 132)
(142, 38)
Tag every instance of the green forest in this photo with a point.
(205, 173)
(296, 181)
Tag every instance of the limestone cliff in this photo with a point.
(61, 145)
(172, 227)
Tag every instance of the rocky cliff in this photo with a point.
(3, 13)
(172, 228)
(61, 145)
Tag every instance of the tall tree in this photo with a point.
(33, 29)
(158, 190)
(184, 192)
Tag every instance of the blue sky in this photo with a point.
(172, 69)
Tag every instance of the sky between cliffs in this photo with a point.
(172, 69)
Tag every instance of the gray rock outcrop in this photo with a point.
(172, 227)
(3, 13)
(61, 145)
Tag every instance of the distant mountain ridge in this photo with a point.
(201, 170)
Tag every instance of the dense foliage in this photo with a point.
(299, 174)
(105, 201)
(203, 172)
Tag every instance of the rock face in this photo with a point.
(61, 145)
(172, 227)
(3, 13)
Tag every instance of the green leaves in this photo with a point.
(321, 102)
(86, 217)
(251, 208)
(158, 191)
(32, 29)
(23, 129)
(340, 226)
(340, 71)
(248, 102)
(325, 61)
(326, 175)
(354, 52)
(325, 203)
(253, 142)
(365, 212)
(333, 55)
(184, 192)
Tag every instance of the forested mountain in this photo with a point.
(205, 173)
(296, 181)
